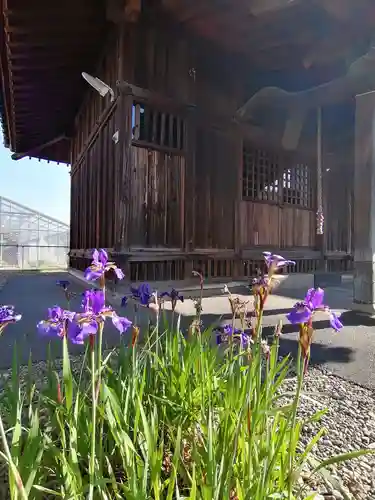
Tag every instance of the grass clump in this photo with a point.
(195, 415)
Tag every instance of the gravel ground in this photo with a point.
(349, 424)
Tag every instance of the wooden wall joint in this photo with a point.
(124, 171)
(153, 98)
(101, 122)
(118, 11)
(190, 181)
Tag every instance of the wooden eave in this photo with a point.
(43, 51)
(279, 34)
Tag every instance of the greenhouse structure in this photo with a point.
(30, 239)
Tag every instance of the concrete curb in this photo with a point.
(286, 281)
(212, 291)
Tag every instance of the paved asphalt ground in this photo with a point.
(32, 293)
(350, 353)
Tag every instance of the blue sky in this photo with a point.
(40, 185)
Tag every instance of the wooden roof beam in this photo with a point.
(341, 10)
(39, 31)
(260, 7)
(37, 149)
(359, 78)
(41, 46)
(62, 13)
(49, 67)
(118, 11)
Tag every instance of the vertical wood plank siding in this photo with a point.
(92, 193)
(174, 180)
(157, 199)
(338, 182)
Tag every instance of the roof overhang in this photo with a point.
(43, 50)
(280, 33)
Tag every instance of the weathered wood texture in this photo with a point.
(180, 187)
(93, 108)
(279, 200)
(163, 59)
(338, 202)
(215, 191)
(157, 202)
(93, 212)
(273, 226)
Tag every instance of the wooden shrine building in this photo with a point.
(230, 127)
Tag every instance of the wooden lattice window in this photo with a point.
(298, 186)
(260, 175)
(265, 179)
(155, 127)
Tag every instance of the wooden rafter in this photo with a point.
(44, 50)
(359, 78)
(118, 11)
(260, 7)
(37, 149)
(339, 9)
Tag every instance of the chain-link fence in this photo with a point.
(33, 257)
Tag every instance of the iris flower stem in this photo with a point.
(157, 334)
(100, 348)
(231, 336)
(100, 332)
(12, 466)
(259, 360)
(294, 418)
(93, 433)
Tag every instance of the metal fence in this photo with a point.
(33, 257)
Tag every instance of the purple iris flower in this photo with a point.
(7, 316)
(260, 281)
(245, 340)
(142, 294)
(81, 328)
(93, 301)
(302, 312)
(229, 331)
(173, 295)
(94, 314)
(100, 265)
(275, 262)
(122, 324)
(56, 323)
(64, 284)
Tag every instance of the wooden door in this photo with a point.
(157, 199)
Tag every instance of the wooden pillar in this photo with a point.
(189, 182)
(238, 270)
(319, 238)
(319, 183)
(364, 205)
(123, 229)
(190, 188)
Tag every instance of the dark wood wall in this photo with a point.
(95, 162)
(93, 211)
(180, 176)
(216, 188)
(338, 171)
